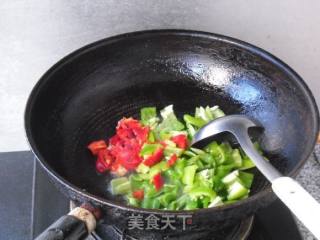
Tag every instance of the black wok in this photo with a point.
(81, 98)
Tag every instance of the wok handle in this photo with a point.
(300, 202)
(75, 226)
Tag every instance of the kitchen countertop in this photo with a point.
(37, 33)
(16, 195)
(309, 177)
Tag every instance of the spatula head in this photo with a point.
(227, 124)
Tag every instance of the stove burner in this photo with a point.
(238, 232)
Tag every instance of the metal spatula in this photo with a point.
(291, 193)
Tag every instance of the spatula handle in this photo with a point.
(300, 202)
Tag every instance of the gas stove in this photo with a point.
(272, 223)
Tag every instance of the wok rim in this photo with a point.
(109, 40)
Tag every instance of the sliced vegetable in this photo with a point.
(142, 168)
(172, 160)
(163, 171)
(96, 146)
(120, 186)
(181, 140)
(236, 190)
(158, 181)
(148, 149)
(188, 174)
(138, 194)
(154, 158)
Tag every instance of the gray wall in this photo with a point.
(35, 34)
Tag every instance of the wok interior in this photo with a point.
(85, 96)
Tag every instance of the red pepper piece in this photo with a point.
(104, 161)
(181, 141)
(158, 181)
(154, 158)
(138, 194)
(96, 146)
(172, 160)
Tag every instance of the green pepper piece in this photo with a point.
(236, 157)
(231, 178)
(191, 205)
(236, 190)
(208, 113)
(135, 181)
(148, 149)
(159, 167)
(155, 203)
(142, 168)
(193, 160)
(211, 147)
(147, 203)
(205, 202)
(191, 130)
(182, 201)
(148, 116)
(200, 192)
(172, 206)
(168, 151)
(122, 188)
(166, 198)
(208, 159)
(151, 137)
(132, 201)
(148, 113)
(246, 179)
(197, 151)
(196, 121)
(217, 112)
(164, 135)
(189, 153)
(116, 182)
(188, 174)
(217, 201)
(247, 163)
(223, 170)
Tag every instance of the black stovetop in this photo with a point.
(273, 223)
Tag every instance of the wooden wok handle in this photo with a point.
(76, 225)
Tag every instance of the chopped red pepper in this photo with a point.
(172, 160)
(154, 158)
(181, 141)
(158, 181)
(138, 194)
(104, 160)
(124, 147)
(163, 143)
(96, 146)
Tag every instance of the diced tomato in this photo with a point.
(154, 158)
(172, 160)
(181, 141)
(96, 146)
(138, 194)
(158, 181)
